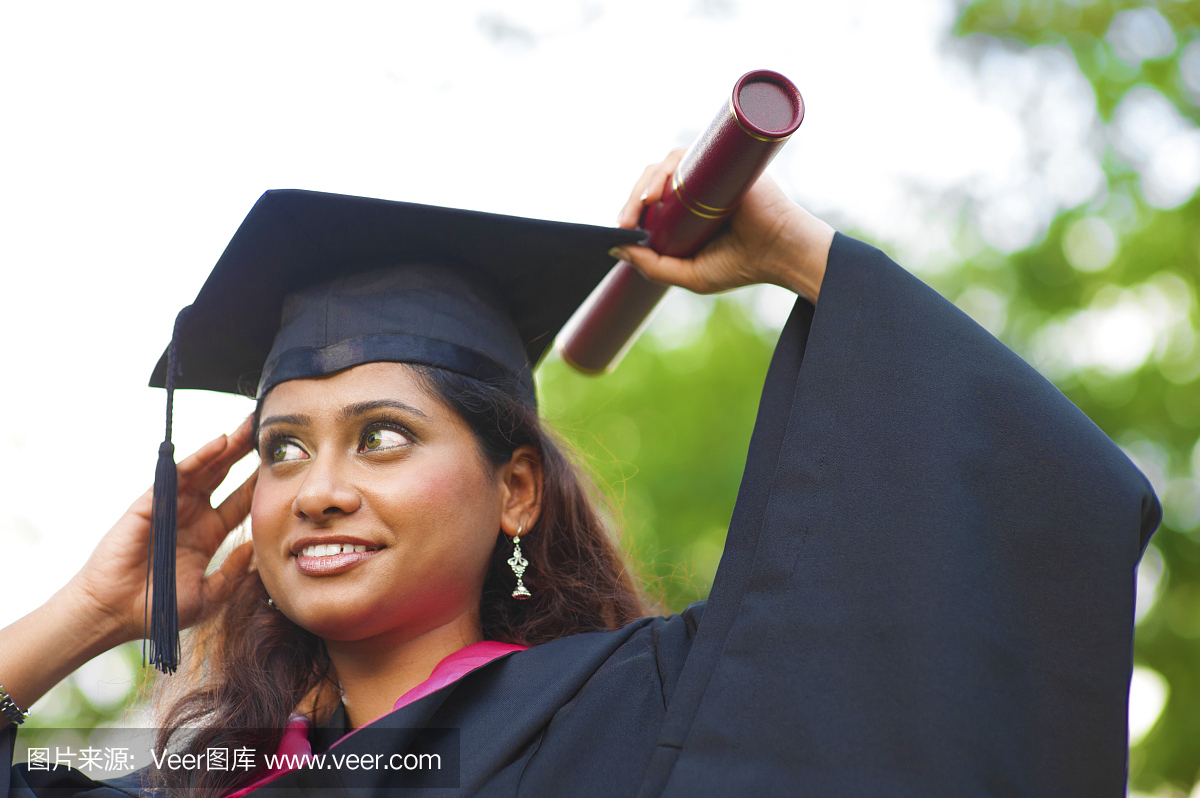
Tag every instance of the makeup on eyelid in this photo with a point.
(374, 438)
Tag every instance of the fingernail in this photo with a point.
(645, 194)
(617, 253)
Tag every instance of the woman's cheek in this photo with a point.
(448, 509)
(455, 492)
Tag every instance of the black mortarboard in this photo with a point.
(314, 283)
(534, 272)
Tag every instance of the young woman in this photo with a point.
(927, 587)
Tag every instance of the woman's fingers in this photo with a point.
(143, 505)
(658, 183)
(632, 211)
(244, 434)
(648, 189)
(769, 239)
(663, 269)
(209, 478)
(236, 506)
(220, 583)
(206, 533)
(205, 474)
(206, 454)
(205, 469)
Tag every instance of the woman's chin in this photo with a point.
(343, 620)
(337, 619)
(343, 625)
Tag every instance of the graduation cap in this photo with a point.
(314, 283)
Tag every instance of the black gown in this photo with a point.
(927, 590)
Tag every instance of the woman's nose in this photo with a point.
(325, 493)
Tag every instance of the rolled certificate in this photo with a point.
(705, 189)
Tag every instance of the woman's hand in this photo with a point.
(112, 584)
(770, 239)
(105, 604)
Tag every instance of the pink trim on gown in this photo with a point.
(449, 670)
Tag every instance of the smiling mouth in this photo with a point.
(332, 558)
(331, 549)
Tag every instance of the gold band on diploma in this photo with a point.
(698, 208)
(678, 186)
(751, 133)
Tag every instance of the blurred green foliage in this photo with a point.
(1103, 57)
(1147, 262)
(665, 436)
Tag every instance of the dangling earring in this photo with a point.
(518, 563)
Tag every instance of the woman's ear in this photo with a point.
(521, 491)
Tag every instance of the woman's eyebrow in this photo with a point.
(297, 419)
(350, 411)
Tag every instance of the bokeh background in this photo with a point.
(1036, 161)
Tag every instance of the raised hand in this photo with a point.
(770, 239)
(104, 604)
(114, 577)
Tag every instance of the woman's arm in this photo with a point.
(104, 604)
(770, 240)
(927, 583)
(39, 650)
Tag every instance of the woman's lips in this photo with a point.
(332, 563)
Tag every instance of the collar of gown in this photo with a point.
(456, 666)
(449, 670)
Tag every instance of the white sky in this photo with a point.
(134, 138)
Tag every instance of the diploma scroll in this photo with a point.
(763, 110)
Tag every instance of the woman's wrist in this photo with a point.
(44, 647)
(802, 253)
(94, 625)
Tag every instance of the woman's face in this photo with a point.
(367, 463)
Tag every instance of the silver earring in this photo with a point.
(518, 564)
(271, 603)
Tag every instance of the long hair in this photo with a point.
(249, 668)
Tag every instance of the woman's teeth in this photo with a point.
(330, 549)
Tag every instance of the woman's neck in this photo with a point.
(374, 673)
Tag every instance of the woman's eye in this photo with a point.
(379, 439)
(284, 451)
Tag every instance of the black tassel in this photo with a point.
(161, 602)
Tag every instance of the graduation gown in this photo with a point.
(927, 590)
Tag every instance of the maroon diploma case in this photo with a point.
(763, 110)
